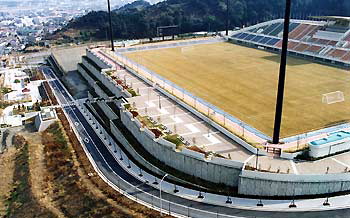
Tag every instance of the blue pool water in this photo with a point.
(335, 136)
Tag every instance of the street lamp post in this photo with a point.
(160, 194)
(257, 159)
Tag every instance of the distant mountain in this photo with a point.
(197, 15)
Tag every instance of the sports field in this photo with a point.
(243, 81)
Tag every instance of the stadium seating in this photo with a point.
(314, 48)
(298, 31)
(277, 30)
(317, 38)
(347, 38)
(337, 53)
(346, 57)
(301, 47)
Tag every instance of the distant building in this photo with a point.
(45, 118)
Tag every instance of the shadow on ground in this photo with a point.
(290, 62)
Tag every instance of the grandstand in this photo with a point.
(326, 41)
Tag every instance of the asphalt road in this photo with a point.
(117, 175)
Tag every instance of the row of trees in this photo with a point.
(200, 15)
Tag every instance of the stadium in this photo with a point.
(248, 91)
(205, 106)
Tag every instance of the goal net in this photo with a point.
(333, 97)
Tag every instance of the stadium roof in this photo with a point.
(334, 18)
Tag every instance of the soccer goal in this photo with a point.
(333, 97)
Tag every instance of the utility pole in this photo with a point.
(282, 76)
(110, 25)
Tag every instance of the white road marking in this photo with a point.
(135, 83)
(176, 119)
(212, 139)
(341, 163)
(192, 128)
(150, 104)
(199, 122)
(249, 158)
(163, 111)
(294, 167)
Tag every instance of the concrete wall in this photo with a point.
(97, 60)
(100, 92)
(103, 78)
(86, 76)
(273, 184)
(108, 111)
(216, 170)
(132, 152)
(41, 125)
(318, 151)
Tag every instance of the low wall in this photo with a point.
(85, 75)
(217, 170)
(92, 69)
(107, 110)
(273, 184)
(107, 81)
(100, 92)
(96, 59)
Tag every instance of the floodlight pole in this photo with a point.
(227, 16)
(282, 76)
(110, 25)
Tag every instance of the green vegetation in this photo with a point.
(5, 90)
(132, 92)
(58, 136)
(141, 21)
(127, 106)
(109, 73)
(17, 81)
(174, 139)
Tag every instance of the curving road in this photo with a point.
(133, 186)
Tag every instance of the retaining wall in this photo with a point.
(107, 110)
(107, 81)
(273, 184)
(216, 170)
(97, 60)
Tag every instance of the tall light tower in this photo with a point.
(227, 16)
(110, 25)
(282, 76)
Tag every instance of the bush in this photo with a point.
(132, 92)
(174, 139)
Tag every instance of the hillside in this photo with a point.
(195, 15)
(133, 7)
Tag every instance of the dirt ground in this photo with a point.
(46, 175)
(243, 81)
(7, 161)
